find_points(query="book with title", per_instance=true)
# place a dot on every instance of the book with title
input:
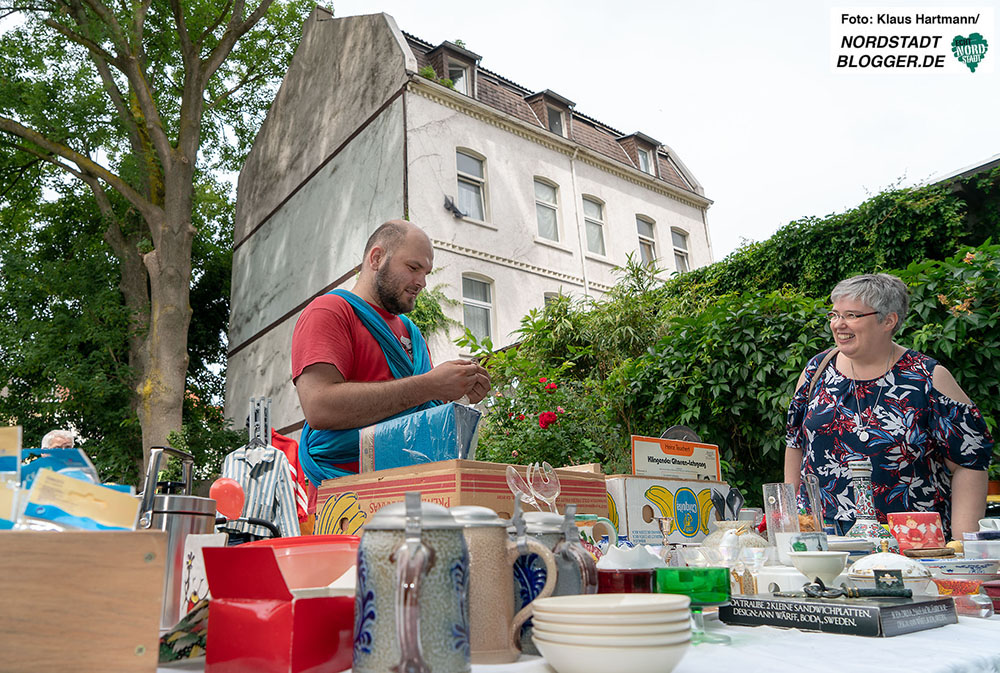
(874, 617)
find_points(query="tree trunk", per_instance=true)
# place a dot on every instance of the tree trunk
(161, 385)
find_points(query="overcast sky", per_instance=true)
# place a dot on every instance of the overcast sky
(742, 91)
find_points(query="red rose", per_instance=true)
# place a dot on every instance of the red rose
(551, 387)
(520, 417)
(542, 380)
(547, 418)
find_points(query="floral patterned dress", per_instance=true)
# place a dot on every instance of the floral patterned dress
(909, 430)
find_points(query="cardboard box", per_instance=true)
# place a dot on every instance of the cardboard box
(81, 600)
(636, 502)
(256, 625)
(344, 504)
(675, 459)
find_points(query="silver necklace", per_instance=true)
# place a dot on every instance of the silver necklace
(862, 431)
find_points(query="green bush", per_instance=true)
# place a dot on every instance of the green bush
(728, 373)
(889, 230)
(536, 414)
(955, 318)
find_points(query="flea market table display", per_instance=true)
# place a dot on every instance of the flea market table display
(680, 578)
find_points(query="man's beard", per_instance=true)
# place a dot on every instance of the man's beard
(390, 291)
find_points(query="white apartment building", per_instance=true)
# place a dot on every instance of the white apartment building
(522, 196)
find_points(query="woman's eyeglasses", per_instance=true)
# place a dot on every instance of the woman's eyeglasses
(849, 316)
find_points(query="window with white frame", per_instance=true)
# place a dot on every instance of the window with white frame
(593, 219)
(547, 209)
(556, 121)
(645, 165)
(477, 305)
(680, 241)
(459, 78)
(647, 239)
(471, 185)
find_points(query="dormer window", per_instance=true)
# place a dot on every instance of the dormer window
(645, 163)
(556, 121)
(459, 77)
(554, 112)
(642, 150)
(456, 64)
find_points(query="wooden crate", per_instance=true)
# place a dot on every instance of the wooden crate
(81, 601)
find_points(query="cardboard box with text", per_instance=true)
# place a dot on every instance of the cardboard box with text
(344, 504)
(636, 502)
(675, 459)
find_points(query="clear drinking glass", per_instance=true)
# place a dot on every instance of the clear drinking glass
(705, 587)
(782, 512)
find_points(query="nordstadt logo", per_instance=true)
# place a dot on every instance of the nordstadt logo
(948, 40)
(970, 50)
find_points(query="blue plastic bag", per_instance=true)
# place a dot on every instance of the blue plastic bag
(445, 432)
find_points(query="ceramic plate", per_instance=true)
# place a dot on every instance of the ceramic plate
(587, 658)
(617, 618)
(649, 640)
(612, 628)
(612, 603)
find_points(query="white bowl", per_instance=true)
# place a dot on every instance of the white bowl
(630, 618)
(654, 640)
(608, 604)
(966, 568)
(566, 658)
(613, 628)
(826, 565)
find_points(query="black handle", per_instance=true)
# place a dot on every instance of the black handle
(255, 521)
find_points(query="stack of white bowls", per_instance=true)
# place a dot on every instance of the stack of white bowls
(613, 632)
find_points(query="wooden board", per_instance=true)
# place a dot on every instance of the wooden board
(81, 601)
(929, 552)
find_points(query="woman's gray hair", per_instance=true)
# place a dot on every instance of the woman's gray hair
(882, 291)
(57, 434)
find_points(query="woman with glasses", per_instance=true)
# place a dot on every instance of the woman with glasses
(876, 399)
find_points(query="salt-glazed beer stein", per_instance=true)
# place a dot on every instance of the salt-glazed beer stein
(495, 629)
(576, 572)
(411, 605)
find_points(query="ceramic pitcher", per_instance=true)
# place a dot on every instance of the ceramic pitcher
(575, 569)
(412, 597)
(592, 528)
(494, 627)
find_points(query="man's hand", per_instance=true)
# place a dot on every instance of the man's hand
(455, 379)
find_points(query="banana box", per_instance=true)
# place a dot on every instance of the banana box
(637, 504)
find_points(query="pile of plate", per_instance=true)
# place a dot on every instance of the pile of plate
(614, 632)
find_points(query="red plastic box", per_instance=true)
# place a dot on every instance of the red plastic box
(256, 625)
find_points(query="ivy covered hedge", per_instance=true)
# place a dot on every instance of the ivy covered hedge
(719, 349)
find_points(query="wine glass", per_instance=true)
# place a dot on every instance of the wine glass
(705, 586)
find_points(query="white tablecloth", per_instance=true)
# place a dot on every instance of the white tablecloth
(971, 646)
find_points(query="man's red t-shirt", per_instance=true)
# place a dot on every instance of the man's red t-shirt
(329, 331)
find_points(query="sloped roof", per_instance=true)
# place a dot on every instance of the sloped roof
(511, 98)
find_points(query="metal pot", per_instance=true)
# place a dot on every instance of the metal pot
(179, 516)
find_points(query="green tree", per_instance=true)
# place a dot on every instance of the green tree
(140, 102)
(64, 327)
